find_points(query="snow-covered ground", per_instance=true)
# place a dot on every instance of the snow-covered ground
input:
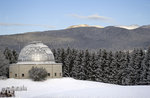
(71, 88)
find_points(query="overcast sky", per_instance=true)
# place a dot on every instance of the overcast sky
(18, 16)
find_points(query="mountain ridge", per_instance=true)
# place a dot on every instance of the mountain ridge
(110, 37)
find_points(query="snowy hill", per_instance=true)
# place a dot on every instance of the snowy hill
(71, 88)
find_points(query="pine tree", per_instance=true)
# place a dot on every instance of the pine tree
(86, 64)
(108, 67)
(78, 68)
(146, 68)
(72, 61)
(92, 67)
(111, 68)
(15, 56)
(69, 61)
(98, 71)
(8, 55)
(133, 66)
(138, 66)
(104, 63)
(62, 57)
(58, 55)
(122, 66)
(4, 65)
(126, 70)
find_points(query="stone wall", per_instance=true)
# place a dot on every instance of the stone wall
(20, 71)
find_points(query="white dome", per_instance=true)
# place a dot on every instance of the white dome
(36, 52)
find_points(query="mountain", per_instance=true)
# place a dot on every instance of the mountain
(87, 37)
(146, 26)
(130, 27)
(84, 25)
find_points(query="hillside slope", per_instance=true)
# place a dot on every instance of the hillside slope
(110, 37)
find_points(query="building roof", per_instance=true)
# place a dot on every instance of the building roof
(36, 52)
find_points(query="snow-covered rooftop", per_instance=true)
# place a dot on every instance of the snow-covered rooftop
(36, 52)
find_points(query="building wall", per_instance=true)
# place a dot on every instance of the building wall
(17, 71)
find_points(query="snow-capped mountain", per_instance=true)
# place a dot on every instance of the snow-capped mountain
(84, 25)
(84, 37)
(130, 27)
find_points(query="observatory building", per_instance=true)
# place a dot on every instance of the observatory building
(35, 54)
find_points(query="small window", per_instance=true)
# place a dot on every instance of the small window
(48, 74)
(22, 75)
(15, 75)
(55, 74)
(60, 74)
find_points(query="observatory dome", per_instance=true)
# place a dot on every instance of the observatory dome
(36, 52)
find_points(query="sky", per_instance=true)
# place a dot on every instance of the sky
(19, 16)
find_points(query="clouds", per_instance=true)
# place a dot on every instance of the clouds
(95, 17)
(21, 24)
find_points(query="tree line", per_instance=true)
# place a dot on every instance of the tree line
(123, 68)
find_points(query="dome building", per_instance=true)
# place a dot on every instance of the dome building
(35, 54)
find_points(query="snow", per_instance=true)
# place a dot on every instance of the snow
(130, 27)
(84, 25)
(71, 88)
